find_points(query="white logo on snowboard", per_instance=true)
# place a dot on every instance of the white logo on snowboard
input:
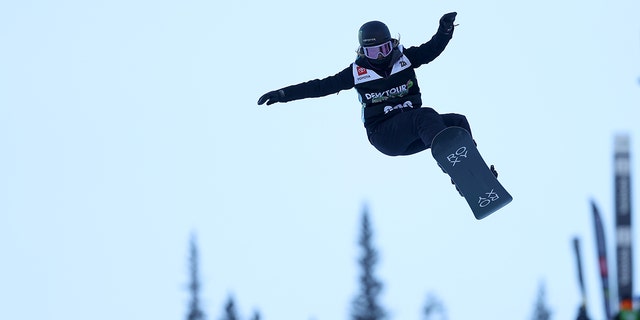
(457, 157)
(491, 196)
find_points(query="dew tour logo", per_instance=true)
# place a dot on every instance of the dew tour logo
(396, 92)
(361, 71)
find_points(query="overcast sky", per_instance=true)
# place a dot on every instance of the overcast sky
(127, 125)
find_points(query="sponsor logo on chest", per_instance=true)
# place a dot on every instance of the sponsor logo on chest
(396, 92)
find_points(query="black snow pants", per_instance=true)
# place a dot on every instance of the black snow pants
(412, 131)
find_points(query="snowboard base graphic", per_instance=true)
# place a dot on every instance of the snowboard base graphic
(456, 153)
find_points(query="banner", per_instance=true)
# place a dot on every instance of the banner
(601, 246)
(623, 222)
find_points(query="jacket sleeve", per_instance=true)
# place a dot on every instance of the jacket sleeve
(429, 50)
(343, 80)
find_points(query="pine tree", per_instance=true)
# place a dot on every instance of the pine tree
(195, 313)
(366, 306)
(434, 309)
(230, 312)
(541, 311)
(256, 315)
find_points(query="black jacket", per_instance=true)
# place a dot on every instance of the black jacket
(382, 93)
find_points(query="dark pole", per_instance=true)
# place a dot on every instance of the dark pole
(582, 311)
(601, 246)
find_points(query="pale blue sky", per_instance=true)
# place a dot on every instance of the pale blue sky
(126, 125)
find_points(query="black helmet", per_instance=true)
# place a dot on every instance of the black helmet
(373, 33)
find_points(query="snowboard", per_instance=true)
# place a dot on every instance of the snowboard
(456, 153)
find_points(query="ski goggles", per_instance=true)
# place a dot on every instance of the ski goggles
(374, 51)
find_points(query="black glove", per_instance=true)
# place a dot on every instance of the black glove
(446, 22)
(272, 97)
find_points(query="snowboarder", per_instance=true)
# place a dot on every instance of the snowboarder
(383, 74)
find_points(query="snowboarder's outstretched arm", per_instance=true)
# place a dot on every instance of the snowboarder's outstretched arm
(272, 97)
(431, 49)
(343, 80)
